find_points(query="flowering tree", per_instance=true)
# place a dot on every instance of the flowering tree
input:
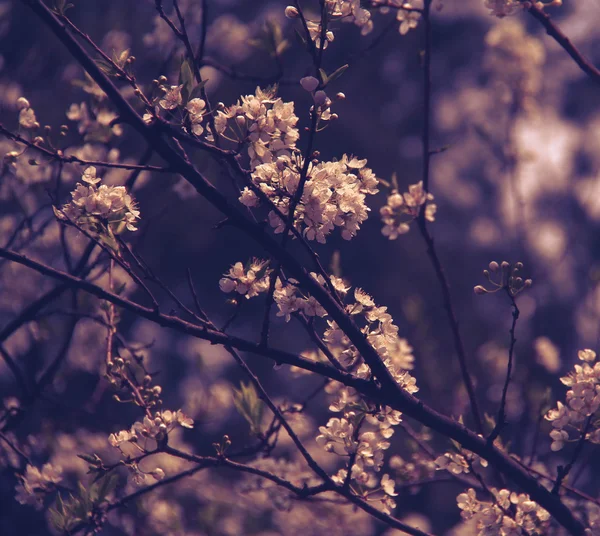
(187, 344)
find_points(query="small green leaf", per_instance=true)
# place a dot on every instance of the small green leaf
(105, 486)
(61, 6)
(197, 91)
(336, 74)
(324, 78)
(57, 520)
(249, 406)
(186, 79)
(105, 67)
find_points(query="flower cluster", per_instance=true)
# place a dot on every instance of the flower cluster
(502, 8)
(350, 11)
(96, 124)
(401, 209)
(408, 18)
(98, 208)
(249, 280)
(182, 98)
(459, 462)
(290, 299)
(152, 428)
(419, 467)
(34, 484)
(333, 196)
(509, 514)
(364, 429)
(407, 13)
(347, 437)
(264, 121)
(582, 402)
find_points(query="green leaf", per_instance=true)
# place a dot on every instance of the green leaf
(249, 406)
(61, 6)
(105, 486)
(197, 91)
(121, 59)
(324, 78)
(186, 79)
(105, 67)
(57, 520)
(336, 74)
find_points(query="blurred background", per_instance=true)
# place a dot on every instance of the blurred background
(517, 180)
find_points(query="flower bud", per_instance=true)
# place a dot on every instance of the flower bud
(320, 98)
(281, 163)
(158, 473)
(479, 290)
(22, 103)
(291, 12)
(240, 120)
(309, 83)
(340, 96)
(494, 266)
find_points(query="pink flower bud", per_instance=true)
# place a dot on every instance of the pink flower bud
(309, 83)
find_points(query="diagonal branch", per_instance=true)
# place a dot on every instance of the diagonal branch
(553, 31)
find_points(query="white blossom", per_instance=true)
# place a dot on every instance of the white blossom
(582, 402)
(172, 98)
(94, 206)
(502, 8)
(249, 281)
(401, 209)
(35, 483)
(264, 122)
(197, 110)
(334, 195)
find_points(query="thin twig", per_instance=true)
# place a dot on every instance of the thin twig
(501, 418)
(553, 31)
(422, 224)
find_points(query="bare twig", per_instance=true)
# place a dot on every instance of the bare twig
(501, 418)
(553, 31)
(422, 224)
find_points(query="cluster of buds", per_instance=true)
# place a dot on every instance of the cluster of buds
(322, 101)
(504, 277)
(132, 382)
